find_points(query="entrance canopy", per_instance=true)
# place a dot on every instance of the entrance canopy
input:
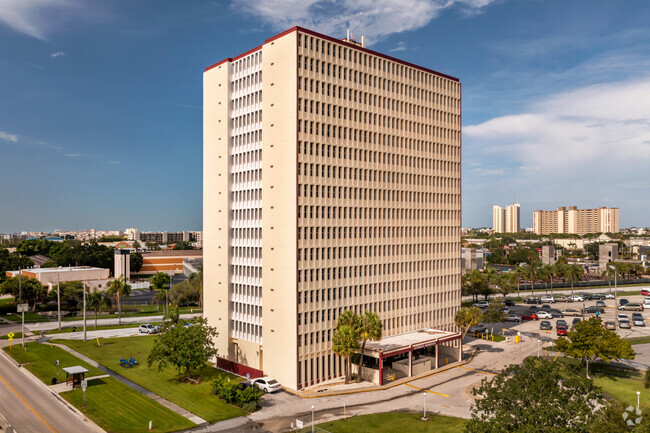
(397, 344)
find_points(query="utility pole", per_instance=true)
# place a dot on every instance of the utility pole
(85, 313)
(58, 297)
(20, 295)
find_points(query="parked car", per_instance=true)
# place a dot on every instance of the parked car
(645, 292)
(575, 321)
(597, 296)
(546, 307)
(246, 384)
(600, 304)
(544, 315)
(534, 309)
(593, 309)
(624, 323)
(576, 298)
(529, 315)
(609, 296)
(585, 296)
(545, 325)
(505, 309)
(621, 316)
(147, 328)
(547, 299)
(571, 312)
(560, 329)
(482, 304)
(267, 384)
(637, 319)
(622, 302)
(646, 302)
(561, 322)
(509, 302)
(532, 300)
(561, 299)
(631, 306)
(478, 329)
(556, 313)
(611, 325)
(512, 318)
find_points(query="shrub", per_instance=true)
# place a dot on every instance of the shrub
(251, 406)
(232, 393)
(646, 381)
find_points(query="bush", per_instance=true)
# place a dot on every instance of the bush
(646, 381)
(232, 393)
(251, 406)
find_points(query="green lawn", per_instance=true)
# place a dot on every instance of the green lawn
(4, 301)
(639, 340)
(395, 422)
(115, 407)
(30, 317)
(624, 388)
(40, 359)
(91, 327)
(197, 399)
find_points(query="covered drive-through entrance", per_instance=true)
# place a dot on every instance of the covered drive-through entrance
(411, 354)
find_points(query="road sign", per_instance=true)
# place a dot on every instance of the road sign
(22, 308)
(299, 424)
(84, 385)
(10, 336)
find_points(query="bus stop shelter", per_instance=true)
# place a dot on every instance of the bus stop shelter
(74, 375)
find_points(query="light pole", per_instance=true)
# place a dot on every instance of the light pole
(20, 294)
(84, 313)
(58, 297)
(312, 418)
(615, 287)
(424, 405)
(638, 399)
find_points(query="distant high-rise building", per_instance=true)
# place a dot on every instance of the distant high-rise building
(506, 220)
(331, 182)
(576, 221)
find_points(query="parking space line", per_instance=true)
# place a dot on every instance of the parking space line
(478, 371)
(425, 390)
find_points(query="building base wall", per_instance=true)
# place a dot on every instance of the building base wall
(239, 369)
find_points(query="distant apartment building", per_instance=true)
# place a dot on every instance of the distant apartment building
(162, 237)
(506, 220)
(576, 221)
(331, 183)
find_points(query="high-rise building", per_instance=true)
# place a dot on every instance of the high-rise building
(576, 221)
(506, 220)
(498, 219)
(331, 183)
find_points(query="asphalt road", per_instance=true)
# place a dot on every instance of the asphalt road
(31, 408)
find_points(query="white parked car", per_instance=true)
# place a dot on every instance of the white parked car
(482, 304)
(147, 328)
(609, 296)
(541, 314)
(267, 384)
(646, 302)
(576, 298)
(548, 299)
(513, 318)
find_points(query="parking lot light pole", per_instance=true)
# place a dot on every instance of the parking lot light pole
(312, 418)
(424, 405)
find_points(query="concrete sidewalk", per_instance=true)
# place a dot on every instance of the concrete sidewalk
(168, 404)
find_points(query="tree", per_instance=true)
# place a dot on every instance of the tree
(32, 247)
(572, 273)
(119, 288)
(612, 418)
(136, 245)
(589, 340)
(24, 289)
(185, 348)
(159, 281)
(369, 330)
(72, 293)
(136, 262)
(467, 317)
(345, 342)
(12, 262)
(183, 245)
(494, 313)
(185, 292)
(537, 395)
(153, 246)
(96, 301)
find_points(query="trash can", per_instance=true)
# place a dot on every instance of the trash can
(54, 381)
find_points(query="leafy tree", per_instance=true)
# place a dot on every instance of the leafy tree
(159, 281)
(95, 301)
(111, 238)
(186, 292)
(119, 289)
(646, 379)
(136, 262)
(345, 342)
(32, 247)
(589, 340)
(572, 273)
(369, 330)
(611, 418)
(183, 245)
(493, 313)
(535, 396)
(476, 283)
(77, 253)
(185, 348)
(27, 289)
(12, 262)
(72, 293)
(467, 317)
(153, 246)
(136, 245)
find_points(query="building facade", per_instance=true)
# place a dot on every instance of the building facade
(331, 183)
(506, 220)
(576, 221)
(498, 219)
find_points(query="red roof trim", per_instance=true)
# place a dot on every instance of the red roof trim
(337, 41)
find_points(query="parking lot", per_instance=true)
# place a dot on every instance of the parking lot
(531, 328)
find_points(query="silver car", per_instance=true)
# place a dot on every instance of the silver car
(147, 328)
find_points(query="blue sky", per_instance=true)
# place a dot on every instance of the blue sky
(100, 102)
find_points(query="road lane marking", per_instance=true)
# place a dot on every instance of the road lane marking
(478, 371)
(425, 390)
(29, 406)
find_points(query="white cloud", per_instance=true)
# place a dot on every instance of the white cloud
(73, 155)
(57, 54)
(37, 17)
(375, 19)
(8, 137)
(401, 46)
(113, 162)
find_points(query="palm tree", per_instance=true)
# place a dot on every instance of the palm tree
(369, 330)
(159, 297)
(96, 301)
(573, 273)
(345, 342)
(607, 273)
(467, 317)
(120, 289)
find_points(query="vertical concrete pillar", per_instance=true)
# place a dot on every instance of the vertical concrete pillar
(437, 355)
(411, 363)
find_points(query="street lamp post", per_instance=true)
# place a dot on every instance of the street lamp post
(84, 314)
(312, 418)
(424, 405)
(58, 298)
(20, 294)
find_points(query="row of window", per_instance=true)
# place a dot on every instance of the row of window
(378, 270)
(246, 82)
(247, 100)
(403, 158)
(247, 119)
(312, 44)
(383, 251)
(347, 234)
(248, 62)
